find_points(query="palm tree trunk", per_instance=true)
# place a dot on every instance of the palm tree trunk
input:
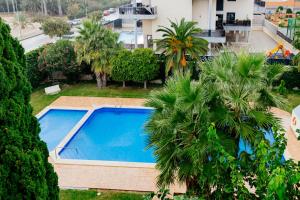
(104, 80)
(98, 79)
(7, 6)
(59, 8)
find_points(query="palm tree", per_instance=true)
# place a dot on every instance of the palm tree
(234, 93)
(179, 42)
(96, 46)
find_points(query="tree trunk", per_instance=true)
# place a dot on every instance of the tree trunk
(45, 7)
(145, 84)
(59, 8)
(124, 85)
(98, 79)
(7, 6)
(104, 79)
(13, 5)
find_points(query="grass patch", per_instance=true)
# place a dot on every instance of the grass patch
(39, 100)
(293, 98)
(92, 195)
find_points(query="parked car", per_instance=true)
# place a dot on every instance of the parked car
(106, 13)
(74, 22)
(112, 10)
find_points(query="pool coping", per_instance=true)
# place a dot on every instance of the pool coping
(54, 154)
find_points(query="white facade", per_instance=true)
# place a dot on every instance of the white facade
(205, 12)
(243, 9)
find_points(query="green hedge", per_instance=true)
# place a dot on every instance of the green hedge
(60, 56)
(121, 66)
(34, 75)
(141, 65)
(291, 78)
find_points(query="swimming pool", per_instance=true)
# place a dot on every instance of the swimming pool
(111, 134)
(57, 123)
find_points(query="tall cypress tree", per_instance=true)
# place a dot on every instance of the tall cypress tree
(24, 169)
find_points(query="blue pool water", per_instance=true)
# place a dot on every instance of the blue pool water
(56, 124)
(111, 134)
(244, 146)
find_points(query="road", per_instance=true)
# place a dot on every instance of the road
(36, 42)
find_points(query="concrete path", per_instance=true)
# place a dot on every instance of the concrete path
(36, 42)
(260, 42)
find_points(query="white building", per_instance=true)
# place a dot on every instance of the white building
(220, 20)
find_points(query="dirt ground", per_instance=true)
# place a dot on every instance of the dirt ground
(31, 29)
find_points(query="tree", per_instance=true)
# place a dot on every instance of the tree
(34, 74)
(96, 45)
(60, 12)
(121, 66)
(289, 11)
(24, 171)
(56, 27)
(185, 110)
(144, 66)
(60, 56)
(279, 9)
(178, 42)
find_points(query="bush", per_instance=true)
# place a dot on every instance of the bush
(288, 11)
(24, 170)
(60, 56)
(144, 66)
(34, 75)
(291, 78)
(121, 66)
(141, 65)
(56, 27)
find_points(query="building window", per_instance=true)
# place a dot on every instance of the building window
(230, 18)
(149, 41)
(220, 5)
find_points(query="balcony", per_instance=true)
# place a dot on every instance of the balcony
(139, 12)
(216, 36)
(237, 25)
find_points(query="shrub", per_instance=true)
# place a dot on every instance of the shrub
(56, 27)
(121, 66)
(24, 170)
(289, 11)
(282, 88)
(141, 65)
(34, 75)
(60, 56)
(279, 9)
(144, 66)
(291, 78)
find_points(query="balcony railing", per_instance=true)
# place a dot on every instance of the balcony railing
(237, 23)
(139, 10)
(213, 36)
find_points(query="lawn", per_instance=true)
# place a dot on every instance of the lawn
(294, 100)
(39, 100)
(94, 195)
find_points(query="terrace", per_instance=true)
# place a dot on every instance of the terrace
(138, 11)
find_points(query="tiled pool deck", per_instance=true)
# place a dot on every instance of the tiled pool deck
(133, 177)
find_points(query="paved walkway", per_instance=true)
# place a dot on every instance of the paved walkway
(293, 145)
(260, 42)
